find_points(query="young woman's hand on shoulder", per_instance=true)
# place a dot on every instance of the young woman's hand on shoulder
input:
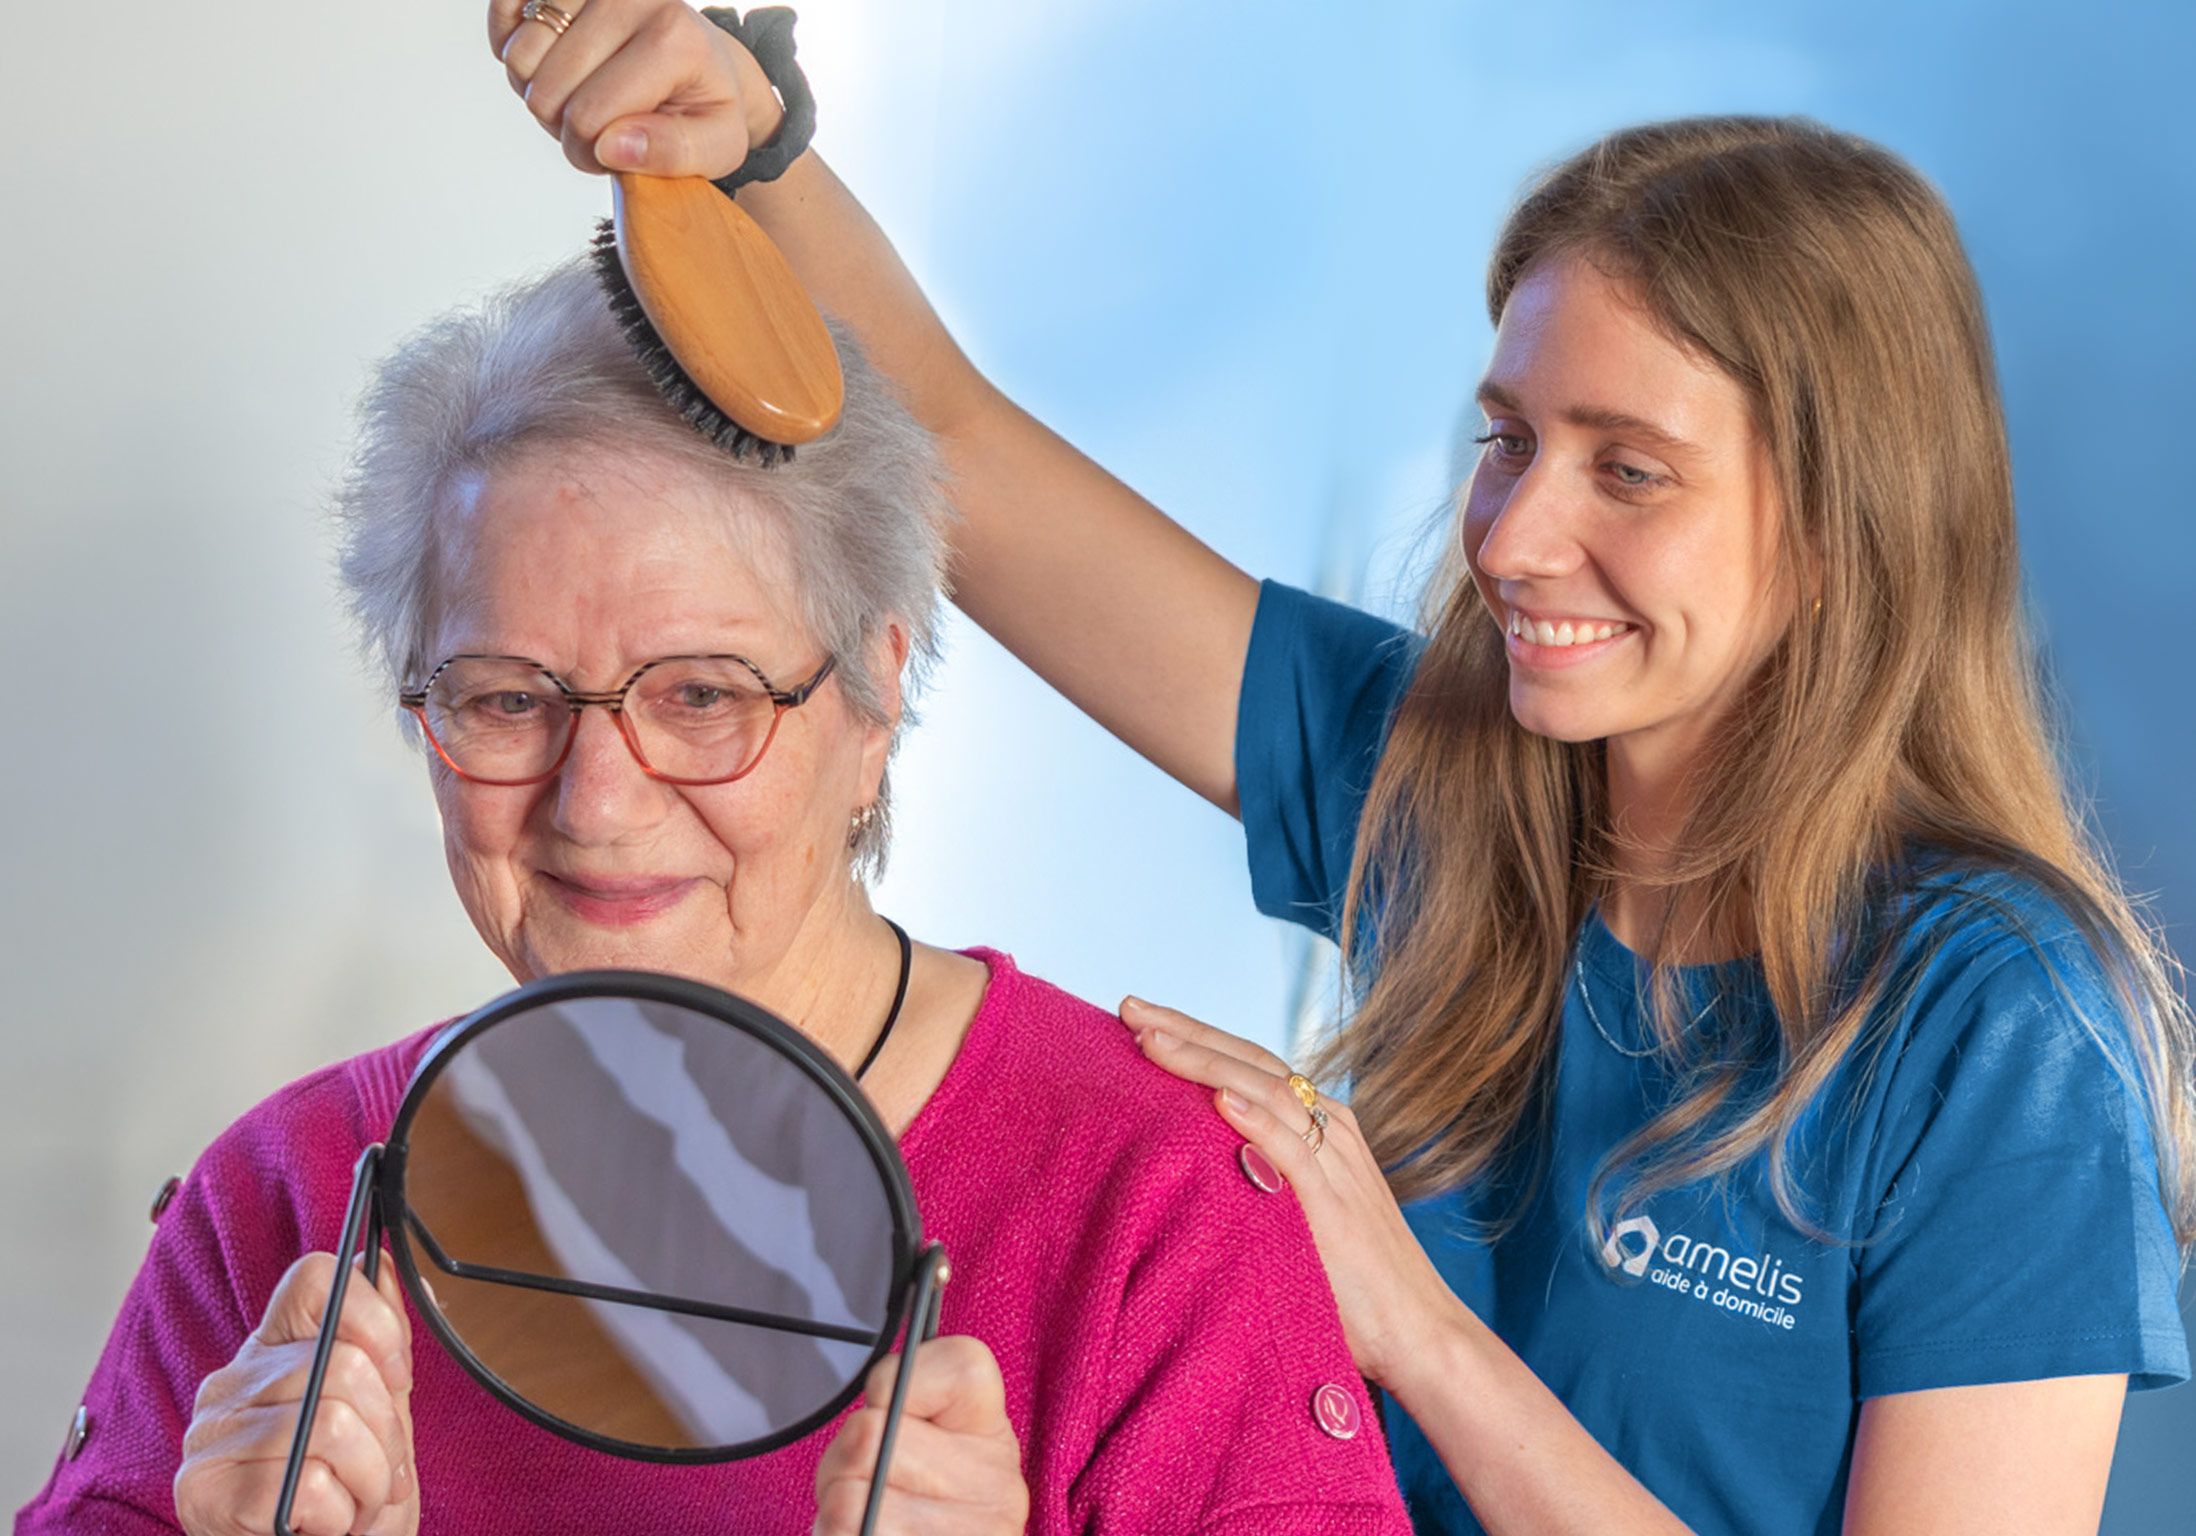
(1394, 1303)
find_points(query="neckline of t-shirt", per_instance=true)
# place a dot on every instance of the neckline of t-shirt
(1621, 980)
(1613, 961)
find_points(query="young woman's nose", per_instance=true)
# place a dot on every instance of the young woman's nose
(1533, 533)
(602, 793)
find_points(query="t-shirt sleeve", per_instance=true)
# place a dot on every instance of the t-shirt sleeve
(1320, 684)
(1226, 1349)
(2020, 1233)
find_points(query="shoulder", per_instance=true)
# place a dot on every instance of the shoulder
(1309, 653)
(1078, 1066)
(1322, 684)
(1203, 1307)
(1065, 1085)
(1994, 954)
(2014, 1036)
(343, 1105)
(264, 1187)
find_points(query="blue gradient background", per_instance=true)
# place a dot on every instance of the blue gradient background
(1233, 250)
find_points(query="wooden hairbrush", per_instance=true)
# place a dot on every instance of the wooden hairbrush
(724, 328)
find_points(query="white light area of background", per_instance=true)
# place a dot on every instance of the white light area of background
(1233, 250)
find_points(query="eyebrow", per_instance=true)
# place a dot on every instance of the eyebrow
(1598, 418)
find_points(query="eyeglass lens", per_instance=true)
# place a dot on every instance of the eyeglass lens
(697, 718)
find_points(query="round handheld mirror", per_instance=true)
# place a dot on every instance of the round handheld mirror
(647, 1215)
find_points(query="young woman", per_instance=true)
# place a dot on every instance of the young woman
(1795, 1121)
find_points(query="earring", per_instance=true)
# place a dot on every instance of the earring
(861, 821)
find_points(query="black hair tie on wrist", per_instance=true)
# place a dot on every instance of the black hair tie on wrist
(768, 35)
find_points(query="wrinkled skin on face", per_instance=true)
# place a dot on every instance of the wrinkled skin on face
(593, 566)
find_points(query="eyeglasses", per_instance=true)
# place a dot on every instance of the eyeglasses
(687, 719)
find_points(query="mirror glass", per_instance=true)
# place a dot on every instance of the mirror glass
(646, 1222)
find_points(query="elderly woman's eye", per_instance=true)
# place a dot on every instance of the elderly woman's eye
(501, 705)
(689, 694)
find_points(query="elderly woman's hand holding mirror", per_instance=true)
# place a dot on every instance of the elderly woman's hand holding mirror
(247, 1415)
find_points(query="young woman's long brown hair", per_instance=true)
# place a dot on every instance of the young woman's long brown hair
(1826, 278)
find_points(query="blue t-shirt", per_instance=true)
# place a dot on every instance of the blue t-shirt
(1987, 1170)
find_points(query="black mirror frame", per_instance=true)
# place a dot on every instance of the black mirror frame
(377, 1208)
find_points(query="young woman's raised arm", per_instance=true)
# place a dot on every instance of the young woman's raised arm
(1112, 602)
(1142, 626)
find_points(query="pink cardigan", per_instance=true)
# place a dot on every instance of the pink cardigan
(1173, 1358)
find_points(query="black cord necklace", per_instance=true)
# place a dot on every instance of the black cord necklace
(899, 996)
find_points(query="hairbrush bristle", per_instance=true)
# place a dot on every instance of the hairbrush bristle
(678, 389)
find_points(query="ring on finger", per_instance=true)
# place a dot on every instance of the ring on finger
(1306, 1091)
(1316, 1136)
(548, 15)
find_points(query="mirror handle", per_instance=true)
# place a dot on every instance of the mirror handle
(361, 1218)
(931, 1274)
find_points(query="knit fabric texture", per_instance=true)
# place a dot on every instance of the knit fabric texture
(1163, 1326)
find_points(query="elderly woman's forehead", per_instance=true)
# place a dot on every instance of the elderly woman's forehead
(618, 535)
(614, 500)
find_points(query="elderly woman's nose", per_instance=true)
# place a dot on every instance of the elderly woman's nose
(601, 791)
(1535, 532)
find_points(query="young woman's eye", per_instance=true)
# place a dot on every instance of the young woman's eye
(1507, 445)
(1632, 477)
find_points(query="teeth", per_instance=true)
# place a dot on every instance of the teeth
(1541, 632)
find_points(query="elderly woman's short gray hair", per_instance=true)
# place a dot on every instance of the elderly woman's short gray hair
(861, 512)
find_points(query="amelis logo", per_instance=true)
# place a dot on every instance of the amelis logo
(1617, 1254)
(1759, 1288)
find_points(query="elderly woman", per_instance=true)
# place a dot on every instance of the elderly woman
(1138, 1337)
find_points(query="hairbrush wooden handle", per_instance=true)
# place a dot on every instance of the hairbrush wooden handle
(723, 300)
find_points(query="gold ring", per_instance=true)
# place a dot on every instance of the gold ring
(1306, 1093)
(1316, 1137)
(548, 15)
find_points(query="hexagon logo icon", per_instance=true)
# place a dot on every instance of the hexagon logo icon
(1615, 1253)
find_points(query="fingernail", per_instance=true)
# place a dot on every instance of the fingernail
(1136, 1003)
(1155, 1039)
(1259, 1169)
(628, 146)
(1234, 1101)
